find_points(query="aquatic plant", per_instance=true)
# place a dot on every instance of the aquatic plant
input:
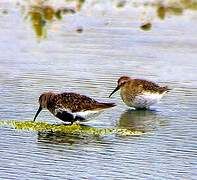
(74, 129)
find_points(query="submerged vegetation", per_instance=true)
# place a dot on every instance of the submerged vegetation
(74, 129)
(42, 13)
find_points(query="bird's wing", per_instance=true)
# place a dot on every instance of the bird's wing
(62, 113)
(145, 85)
(76, 102)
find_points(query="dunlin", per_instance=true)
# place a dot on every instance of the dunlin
(70, 107)
(139, 93)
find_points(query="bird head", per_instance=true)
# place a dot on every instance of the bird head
(43, 102)
(121, 82)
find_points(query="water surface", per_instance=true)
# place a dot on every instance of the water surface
(90, 63)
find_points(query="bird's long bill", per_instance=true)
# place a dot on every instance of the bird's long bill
(117, 88)
(39, 109)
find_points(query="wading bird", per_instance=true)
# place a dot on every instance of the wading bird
(71, 107)
(139, 93)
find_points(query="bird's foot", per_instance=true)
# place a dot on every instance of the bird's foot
(75, 122)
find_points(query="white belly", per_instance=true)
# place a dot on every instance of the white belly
(88, 114)
(146, 100)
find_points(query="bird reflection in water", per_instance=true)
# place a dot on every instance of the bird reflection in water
(59, 137)
(139, 120)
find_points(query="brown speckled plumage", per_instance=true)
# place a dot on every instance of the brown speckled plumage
(133, 88)
(65, 106)
(140, 85)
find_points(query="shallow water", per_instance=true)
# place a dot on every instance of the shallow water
(90, 63)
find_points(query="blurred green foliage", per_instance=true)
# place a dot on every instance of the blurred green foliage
(43, 12)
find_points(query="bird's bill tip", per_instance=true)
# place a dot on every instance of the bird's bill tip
(39, 109)
(116, 89)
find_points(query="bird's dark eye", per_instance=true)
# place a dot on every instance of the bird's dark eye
(123, 82)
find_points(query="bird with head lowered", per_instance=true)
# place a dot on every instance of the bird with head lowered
(71, 107)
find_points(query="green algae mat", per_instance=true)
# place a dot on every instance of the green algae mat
(74, 129)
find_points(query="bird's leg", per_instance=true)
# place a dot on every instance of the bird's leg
(141, 108)
(76, 123)
(79, 118)
(76, 120)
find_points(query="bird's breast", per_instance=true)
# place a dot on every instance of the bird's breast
(127, 96)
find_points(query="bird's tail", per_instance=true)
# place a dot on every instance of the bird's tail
(167, 89)
(164, 89)
(105, 105)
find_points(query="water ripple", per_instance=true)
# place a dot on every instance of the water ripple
(91, 64)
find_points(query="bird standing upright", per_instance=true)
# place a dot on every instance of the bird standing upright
(70, 107)
(139, 93)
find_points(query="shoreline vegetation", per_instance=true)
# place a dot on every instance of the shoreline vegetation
(42, 13)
